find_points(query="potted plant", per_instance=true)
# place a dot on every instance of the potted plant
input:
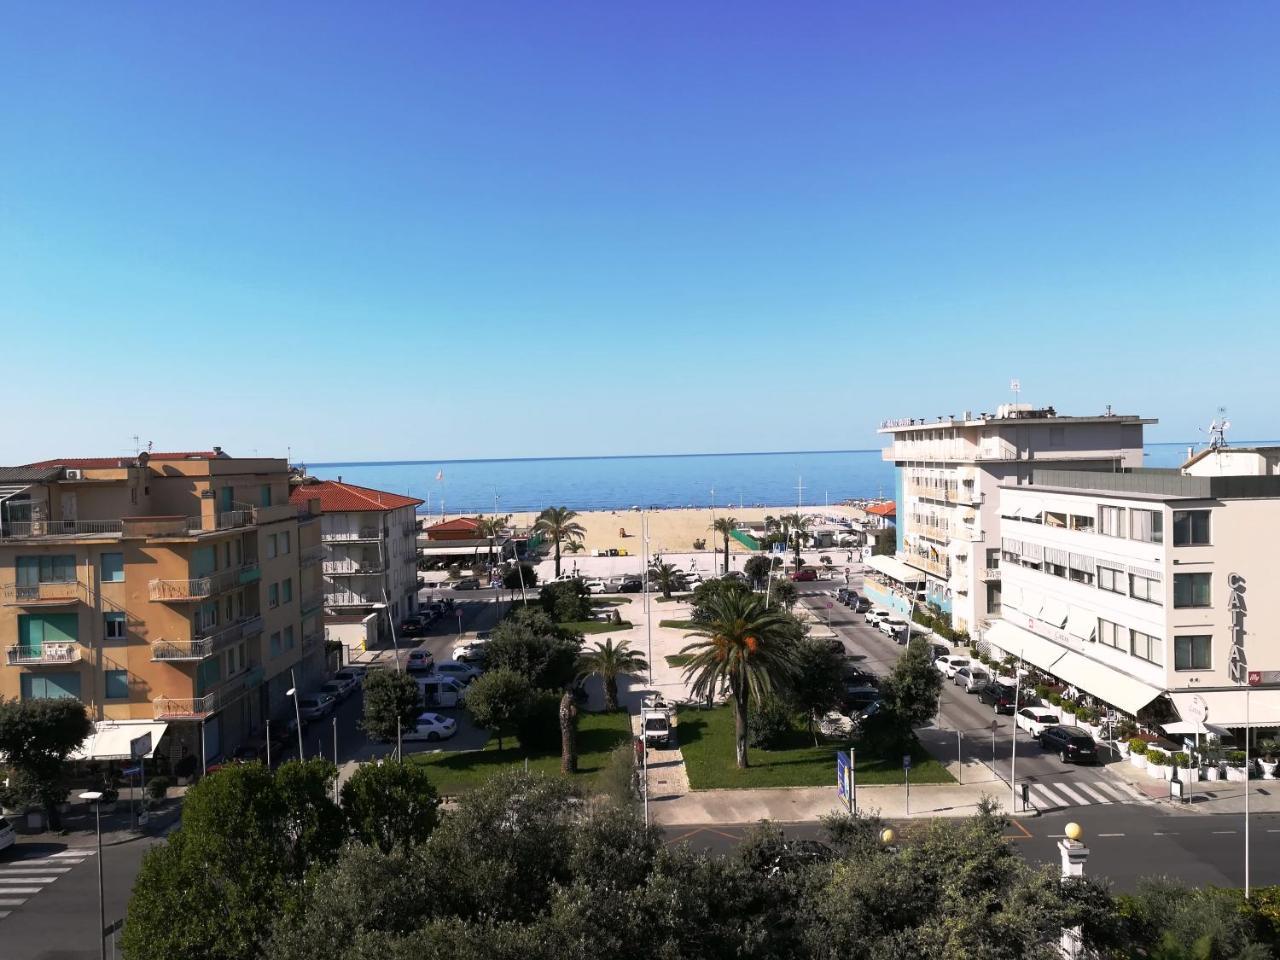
(1267, 762)
(1235, 768)
(1138, 753)
(1210, 762)
(1182, 763)
(1068, 712)
(1158, 764)
(110, 795)
(158, 788)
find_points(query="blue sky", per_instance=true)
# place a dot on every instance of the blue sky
(444, 230)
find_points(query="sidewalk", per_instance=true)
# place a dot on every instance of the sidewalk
(1207, 796)
(80, 830)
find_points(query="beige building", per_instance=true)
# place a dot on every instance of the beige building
(1149, 588)
(949, 473)
(173, 593)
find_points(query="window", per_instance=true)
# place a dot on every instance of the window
(275, 644)
(284, 543)
(288, 637)
(111, 566)
(271, 547)
(117, 684)
(50, 686)
(273, 596)
(993, 600)
(60, 568)
(1146, 525)
(286, 590)
(35, 631)
(266, 494)
(1193, 653)
(113, 626)
(1191, 589)
(1082, 523)
(1055, 519)
(1111, 521)
(1081, 576)
(1057, 569)
(1109, 579)
(1111, 634)
(1191, 528)
(1144, 588)
(1146, 647)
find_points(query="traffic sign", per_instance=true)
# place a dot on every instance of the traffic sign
(906, 761)
(140, 746)
(130, 771)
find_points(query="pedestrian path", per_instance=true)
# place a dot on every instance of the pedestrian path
(1075, 793)
(23, 878)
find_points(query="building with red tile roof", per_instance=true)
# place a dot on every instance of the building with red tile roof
(887, 509)
(338, 497)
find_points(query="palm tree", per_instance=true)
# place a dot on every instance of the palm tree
(568, 733)
(609, 662)
(745, 644)
(725, 527)
(797, 526)
(491, 528)
(558, 524)
(666, 577)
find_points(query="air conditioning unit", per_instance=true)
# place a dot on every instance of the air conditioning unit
(74, 474)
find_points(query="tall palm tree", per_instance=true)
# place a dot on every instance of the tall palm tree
(558, 524)
(568, 733)
(725, 527)
(797, 527)
(745, 644)
(491, 528)
(608, 662)
(666, 577)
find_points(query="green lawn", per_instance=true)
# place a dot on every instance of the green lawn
(677, 659)
(458, 772)
(610, 601)
(595, 626)
(679, 599)
(706, 740)
(678, 624)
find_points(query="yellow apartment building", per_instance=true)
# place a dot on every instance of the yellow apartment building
(176, 594)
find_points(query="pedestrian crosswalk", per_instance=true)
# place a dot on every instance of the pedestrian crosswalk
(23, 878)
(1074, 793)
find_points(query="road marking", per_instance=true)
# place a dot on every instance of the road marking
(1171, 833)
(1224, 831)
(8, 870)
(4, 913)
(1078, 798)
(1026, 834)
(23, 889)
(1095, 794)
(43, 879)
(1273, 831)
(74, 853)
(12, 902)
(1052, 798)
(1111, 791)
(1111, 834)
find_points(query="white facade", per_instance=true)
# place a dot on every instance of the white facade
(371, 557)
(1135, 585)
(950, 471)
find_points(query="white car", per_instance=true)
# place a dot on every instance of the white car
(971, 678)
(595, 586)
(949, 665)
(7, 837)
(339, 689)
(313, 706)
(875, 615)
(893, 627)
(469, 652)
(1035, 719)
(432, 727)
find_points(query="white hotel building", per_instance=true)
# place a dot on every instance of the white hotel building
(949, 474)
(1146, 588)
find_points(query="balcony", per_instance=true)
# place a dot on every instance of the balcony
(207, 644)
(937, 567)
(185, 708)
(202, 588)
(348, 598)
(932, 531)
(364, 533)
(991, 573)
(352, 568)
(45, 594)
(43, 529)
(49, 653)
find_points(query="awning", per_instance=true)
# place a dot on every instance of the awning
(1032, 603)
(1091, 676)
(895, 569)
(111, 738)
(1054, 612)
(1227, 707)
(1081, 624)
(1185, 728)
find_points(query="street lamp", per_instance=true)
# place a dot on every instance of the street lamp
(297, 712)
(95, 797)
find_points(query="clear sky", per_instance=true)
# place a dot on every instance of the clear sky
(440, 230)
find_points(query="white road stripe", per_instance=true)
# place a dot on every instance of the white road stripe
(1111, 834)
(12, 901)
(1052, 798)
(49, 868)
(4, 913)
(12, 890)
(10, 880)
(74, 853)
(1075, 797)
(1095, 794)
(1112, 791)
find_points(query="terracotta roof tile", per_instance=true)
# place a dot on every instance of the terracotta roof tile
(336, 497)
(460, 525)
(886, 509)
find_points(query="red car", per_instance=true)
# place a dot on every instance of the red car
(808, 573)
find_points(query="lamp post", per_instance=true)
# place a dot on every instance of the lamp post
(297, 711)
(95, 797)
(1074, 854)
(1013, 736)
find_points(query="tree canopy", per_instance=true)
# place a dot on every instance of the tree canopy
(566, 601)
(910, 692)
(36, 737)
(389, 695)
(499, 699)
(390, 804)
(529, 642)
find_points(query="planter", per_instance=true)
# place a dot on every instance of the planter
(35, 820)
(1123, 747)
(1138, 760)
(1068, 719)
(1159, 771)
(1212, 772)
(1189, 774)
(1236, 773)
(109, 807)
(1269, 768)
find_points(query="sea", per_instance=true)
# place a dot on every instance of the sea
(807, 478)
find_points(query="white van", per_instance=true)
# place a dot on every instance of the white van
(7, 837)
(438, 691)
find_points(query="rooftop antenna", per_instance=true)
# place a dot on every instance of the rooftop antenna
(137, 445)
(1016, 386)
(1218, 428)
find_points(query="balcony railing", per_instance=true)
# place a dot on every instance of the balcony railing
(35, 529)
(202, 588)
(44, 594)
(346, 598)
(936, 567)
(932, 531)
(352, 568)
(991, 573)
(47, 653)
(185, 708)
(206, 645)
(364, 533)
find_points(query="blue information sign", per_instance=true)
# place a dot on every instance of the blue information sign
(906, 761)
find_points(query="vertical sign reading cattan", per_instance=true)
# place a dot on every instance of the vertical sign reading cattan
(1237, 663)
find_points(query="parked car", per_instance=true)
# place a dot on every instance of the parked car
(842, 595)
(412, 627)
(455, 668)
(1071, 744)
(875, 615)
(631, 585)
(895, 627)
(420, 661)
(1035, 719)
(7, 836)
(467, 583)
(1000, 695)
(337, 689)
(971, 678)
(595, 586)
(691, 579)
(314, 706)
(431, 727)
(950, 664)
(438, 691)
(861, 605)
(352, 671)
(470, 653)
(804, 575)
